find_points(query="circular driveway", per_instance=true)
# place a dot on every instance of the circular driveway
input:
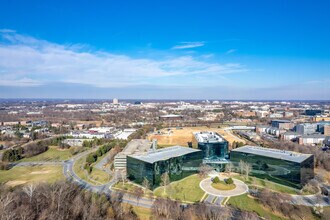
(240, 189)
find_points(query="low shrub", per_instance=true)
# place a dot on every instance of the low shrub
(216, 180)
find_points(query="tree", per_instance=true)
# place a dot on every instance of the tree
(165, 180)
(29, 190)
(247, 170)
(241, 166)
(123, 176)
(138, 193)
(204, 170)
(146, 184)
(229, 168)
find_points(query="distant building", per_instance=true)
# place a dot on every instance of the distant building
(306, 128)
(313, 139)
(115, 101)
(171, 117)
(327, 130)
(179, 162)
(290, 136)
(282, 124)
(288, 114)
(260, 129)
(284, 167)
(319, 118)
(313, 112)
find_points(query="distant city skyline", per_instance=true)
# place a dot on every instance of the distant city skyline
(274, 50)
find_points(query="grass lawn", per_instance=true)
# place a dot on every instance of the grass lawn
(186, 189)
(52, 154)
(37, 174)
(267, 184)
(96, 177)
(243, 202)
(223, 186)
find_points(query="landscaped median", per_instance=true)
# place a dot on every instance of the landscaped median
(227, 184)
(95, 177)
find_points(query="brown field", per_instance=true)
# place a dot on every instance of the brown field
(184, 135)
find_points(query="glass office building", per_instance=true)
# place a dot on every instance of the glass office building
(284, 167)
(177, 161)
(214, 148)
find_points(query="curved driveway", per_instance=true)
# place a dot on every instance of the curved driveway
(240, 189)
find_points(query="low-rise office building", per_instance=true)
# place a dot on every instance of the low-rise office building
(177, 161)
(284, 167)
(134, 147)
(214, 148)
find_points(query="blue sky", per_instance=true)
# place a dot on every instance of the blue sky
(165, 49)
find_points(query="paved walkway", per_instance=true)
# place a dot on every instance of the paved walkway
(240, 189)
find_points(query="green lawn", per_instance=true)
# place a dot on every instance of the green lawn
(267, 184)
(37, 174)
(186, 189)
(243, 202)
(52, 154)
(223, 186)
(96, 177)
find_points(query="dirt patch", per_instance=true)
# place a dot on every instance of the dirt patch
(41, 172)
(15, 183)
(176, 136)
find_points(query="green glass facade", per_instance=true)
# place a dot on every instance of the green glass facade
(214, 150)
(293, 174)
(177, 167)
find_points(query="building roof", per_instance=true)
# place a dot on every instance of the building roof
(136, 146)
(274, 153)
(170, 116)
(291, 133)
(164, 154)
(281, 121)
(316, 135)
(208, 137)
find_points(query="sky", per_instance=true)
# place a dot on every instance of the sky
(274, 49)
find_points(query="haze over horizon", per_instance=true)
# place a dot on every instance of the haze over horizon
(217, 50)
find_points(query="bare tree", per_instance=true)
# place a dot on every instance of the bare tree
(229, 168)
(165, 181)
(241, 166)
(204, 170)
(247, 170)
(146, 185)
(123, 176)
(139, 193)
(29, 190)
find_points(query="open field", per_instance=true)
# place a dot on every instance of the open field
(37, 174)
(185, 135)
(52, 154)
(186, 189)
(254, 181)
(96, 177)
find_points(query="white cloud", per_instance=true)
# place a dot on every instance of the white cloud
(27, 61)
(231, 51)
(189, 45)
